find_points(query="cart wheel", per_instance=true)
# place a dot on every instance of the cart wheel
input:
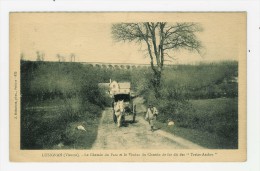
(114, 117)
(123, 119)
(134, 113)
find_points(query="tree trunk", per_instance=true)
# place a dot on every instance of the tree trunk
(156, 82)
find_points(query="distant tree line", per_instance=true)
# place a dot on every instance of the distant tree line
(40, 56)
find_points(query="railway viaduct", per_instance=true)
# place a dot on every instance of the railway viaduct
(119, 65)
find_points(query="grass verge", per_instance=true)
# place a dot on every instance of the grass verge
(55, 127)
(202, 138)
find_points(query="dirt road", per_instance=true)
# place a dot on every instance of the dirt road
(136, 135)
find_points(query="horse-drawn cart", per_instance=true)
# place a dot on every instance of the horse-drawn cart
(122, 102)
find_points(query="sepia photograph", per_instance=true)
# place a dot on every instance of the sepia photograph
(128, 86)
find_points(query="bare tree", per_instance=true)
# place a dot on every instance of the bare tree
(22, 58)
(59, 57)
(72, 57)
(161, 39)
(63, 58)
(40, 56)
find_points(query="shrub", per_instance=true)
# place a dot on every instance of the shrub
(74, 89)
(201, 97)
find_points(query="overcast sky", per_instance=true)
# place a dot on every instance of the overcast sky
(91, 40)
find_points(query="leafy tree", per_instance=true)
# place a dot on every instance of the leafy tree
(161, 39)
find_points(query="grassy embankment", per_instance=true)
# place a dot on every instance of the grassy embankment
(212, 123)
(56, 98)
(202, 101)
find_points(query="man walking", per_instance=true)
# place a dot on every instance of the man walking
(151, 116)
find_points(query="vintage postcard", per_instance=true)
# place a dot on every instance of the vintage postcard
(131, 86)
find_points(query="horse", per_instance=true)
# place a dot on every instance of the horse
(119, 112)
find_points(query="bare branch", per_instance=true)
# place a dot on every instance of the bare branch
(161, 38)
(128, 32)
